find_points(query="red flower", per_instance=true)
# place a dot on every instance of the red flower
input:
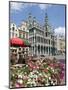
(51, 65)
(30, 65)
(45, 70)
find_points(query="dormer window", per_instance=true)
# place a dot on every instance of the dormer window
(23, 28)
(46, 34)
(13, 25)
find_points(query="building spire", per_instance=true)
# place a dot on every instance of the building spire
(29, 18)
(29, 15)
(46, 19)
(34, 20)
(46, 22)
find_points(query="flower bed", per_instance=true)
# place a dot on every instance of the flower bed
(46, 73)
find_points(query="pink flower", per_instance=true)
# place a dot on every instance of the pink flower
(34, 67)
(51, 65)
(61, 65)
(61, 75)
(25, 77)
(17, 85)
(37, 67)
(30, 64)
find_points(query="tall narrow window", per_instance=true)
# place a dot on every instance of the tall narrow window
(13, 28)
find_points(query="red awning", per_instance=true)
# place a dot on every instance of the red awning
(16, 42)
(19, 42)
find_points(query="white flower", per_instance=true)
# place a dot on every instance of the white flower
(32, 82)
(13, 75)
(51, 82)
(29, 80)
(33, 76)
(20, 81)
(47, 84)
(49, 78)
(25, 73)
(26, 65)
(31, 73)
(40, 74)
(54, 84)
(47, 68)
(19, 76)
(46, 76)
(35, 71)
(53, 70)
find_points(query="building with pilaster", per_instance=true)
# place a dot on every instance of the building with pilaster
(42, 38)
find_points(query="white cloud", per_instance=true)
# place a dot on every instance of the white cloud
(41, 6)
(19, 6)
(16, 6)
(60, 30)
(44, 6)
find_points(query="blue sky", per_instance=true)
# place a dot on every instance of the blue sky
(56, 14)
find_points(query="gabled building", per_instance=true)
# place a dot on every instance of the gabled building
(14, 32)
(24, 34)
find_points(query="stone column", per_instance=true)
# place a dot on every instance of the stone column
(40, 49)
(37, 50)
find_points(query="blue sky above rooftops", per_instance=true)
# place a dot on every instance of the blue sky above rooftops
(56, 14)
